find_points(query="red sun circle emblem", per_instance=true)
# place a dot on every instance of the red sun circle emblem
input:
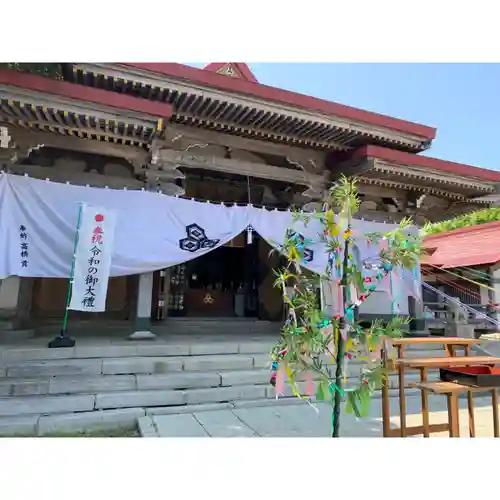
(99, 218)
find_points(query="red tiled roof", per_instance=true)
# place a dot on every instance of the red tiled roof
(468, 246)
(402, 158)
(286, 97)
(38, 83)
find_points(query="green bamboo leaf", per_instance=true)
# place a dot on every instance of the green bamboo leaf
(364, 402)
(352, 404)
(326, 390)
(320, 392)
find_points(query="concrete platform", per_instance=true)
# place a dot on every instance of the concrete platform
(302, 420)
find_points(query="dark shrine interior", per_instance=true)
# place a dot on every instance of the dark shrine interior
(222, 269)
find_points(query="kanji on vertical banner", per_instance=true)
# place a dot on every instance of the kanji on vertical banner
(93, 259)
(24, 244)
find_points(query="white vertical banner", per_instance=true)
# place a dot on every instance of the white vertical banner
(92, 262)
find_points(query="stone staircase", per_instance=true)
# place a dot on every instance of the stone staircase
(197, 327)
(56, 391)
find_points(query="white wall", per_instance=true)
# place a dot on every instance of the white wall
(379, 302)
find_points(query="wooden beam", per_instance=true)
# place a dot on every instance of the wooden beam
(155, 182)
(76, 178)
(349, 168)
(379, 191)
(185, 160)
(378, 216)
(306, 157)
(27, 138)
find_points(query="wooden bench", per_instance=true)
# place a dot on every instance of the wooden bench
(452, 390)
(451, 344)
(424, 364)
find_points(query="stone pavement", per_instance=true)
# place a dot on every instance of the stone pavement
(301, 420)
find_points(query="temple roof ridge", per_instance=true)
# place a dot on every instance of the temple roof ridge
(232, 69)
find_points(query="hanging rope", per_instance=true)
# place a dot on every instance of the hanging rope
(476, 272)
(482, 285)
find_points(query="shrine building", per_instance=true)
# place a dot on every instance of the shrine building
(463, 263)
(211, 134)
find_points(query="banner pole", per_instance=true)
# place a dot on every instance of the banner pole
(62, 340)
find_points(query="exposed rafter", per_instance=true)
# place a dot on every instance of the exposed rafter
(208, 107)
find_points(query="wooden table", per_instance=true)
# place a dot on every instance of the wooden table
(450, 344)
(452, 390)
(445, 362)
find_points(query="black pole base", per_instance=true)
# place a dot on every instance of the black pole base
(61, 341)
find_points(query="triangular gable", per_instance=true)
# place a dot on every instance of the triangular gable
(234, 70)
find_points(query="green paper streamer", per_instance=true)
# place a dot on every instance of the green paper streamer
(350, 315)
(334, 387)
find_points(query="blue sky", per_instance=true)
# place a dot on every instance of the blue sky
(461, 100)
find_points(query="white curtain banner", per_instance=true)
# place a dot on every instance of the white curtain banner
(92, 259)
(273, 225)
(153, 231)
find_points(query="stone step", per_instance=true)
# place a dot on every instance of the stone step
(222, 328)
(92, 384)
(174, 327)
(126, 418)
(117, 383)
(172, 391)
(135, 365)
(70, 423)
(10, 356)
(70, 384)
(29, 405)
(259, 350)
(131, 365)
(113, 383)
(211, 391)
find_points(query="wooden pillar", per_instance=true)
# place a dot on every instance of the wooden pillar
(15, 307)
(251, 276)
(9, 294)
(143, 311)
